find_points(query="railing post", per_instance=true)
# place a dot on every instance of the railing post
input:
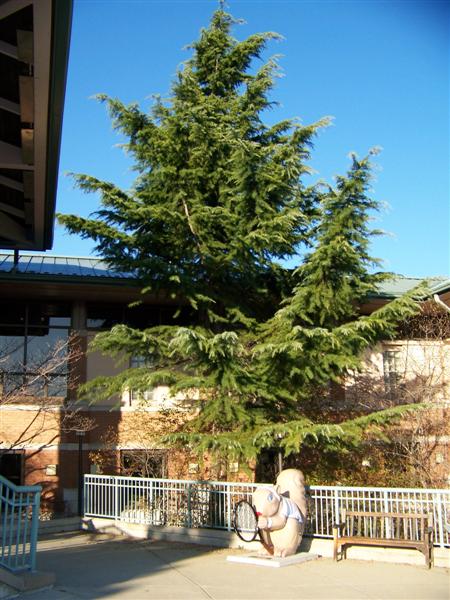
(34, 529)
(439, 522)
(228, 499)
(387, 525)
(11, 527)
(84, 495)
(116, 499)
(5, 494)
(337, 515)
(189, 507)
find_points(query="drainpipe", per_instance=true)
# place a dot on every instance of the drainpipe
(80, 434)
(441, 304)
(16, 260)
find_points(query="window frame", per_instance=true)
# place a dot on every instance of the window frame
(27, 325)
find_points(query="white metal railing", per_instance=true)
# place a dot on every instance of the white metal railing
(327, 502)
(190, 503)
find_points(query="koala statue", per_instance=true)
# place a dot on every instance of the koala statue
(282, 512)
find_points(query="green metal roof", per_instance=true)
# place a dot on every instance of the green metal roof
(60, 268)
(400, 285)
(86, 269)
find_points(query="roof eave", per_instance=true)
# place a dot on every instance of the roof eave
(31, 218)
(61, 28)
(72, 279)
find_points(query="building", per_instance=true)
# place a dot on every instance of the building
(52, 307)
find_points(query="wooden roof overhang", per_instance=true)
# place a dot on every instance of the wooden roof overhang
(34, 47)
(90, 289)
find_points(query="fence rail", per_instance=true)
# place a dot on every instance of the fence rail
(19, 518)
(210, 503)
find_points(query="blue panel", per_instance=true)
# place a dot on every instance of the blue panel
(6, 263)
(34, 265)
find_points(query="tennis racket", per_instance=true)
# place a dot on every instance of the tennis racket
(245, 521)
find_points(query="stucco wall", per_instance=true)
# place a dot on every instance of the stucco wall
(423, 369)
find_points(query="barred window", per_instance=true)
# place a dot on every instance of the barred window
(142, 396)
(391, 373)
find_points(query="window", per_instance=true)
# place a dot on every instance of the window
(141, 396)
(34, 348)
(391, 373)
(105, 316)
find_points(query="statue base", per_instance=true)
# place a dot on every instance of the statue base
(273, 561)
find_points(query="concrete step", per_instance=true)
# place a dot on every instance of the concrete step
(57, 525)
(13, 583)
(6, 591)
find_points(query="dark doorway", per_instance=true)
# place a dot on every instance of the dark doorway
(268, 466)
(11, 467)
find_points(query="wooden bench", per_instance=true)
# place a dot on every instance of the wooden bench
(397, 530)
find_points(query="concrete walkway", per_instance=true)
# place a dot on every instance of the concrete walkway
(91, 566)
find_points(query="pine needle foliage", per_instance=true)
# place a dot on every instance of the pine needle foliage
(218, 195)
(219, 201)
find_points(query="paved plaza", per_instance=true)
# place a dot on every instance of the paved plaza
(89, 566)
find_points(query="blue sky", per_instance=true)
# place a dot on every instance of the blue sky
(381, 69)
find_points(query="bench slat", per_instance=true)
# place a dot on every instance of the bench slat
(349, 513)
(367, 541)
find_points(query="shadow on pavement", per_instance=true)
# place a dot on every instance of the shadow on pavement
(89, 566)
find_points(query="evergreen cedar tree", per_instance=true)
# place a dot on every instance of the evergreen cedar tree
(219, 203)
